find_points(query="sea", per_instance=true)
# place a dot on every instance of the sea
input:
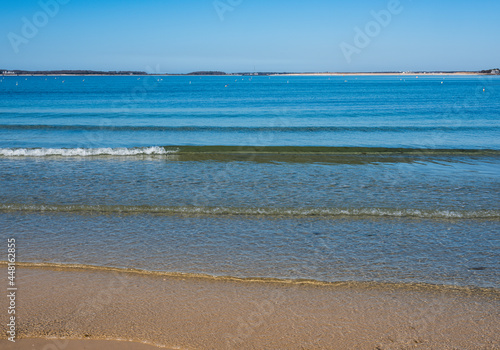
(380, 179)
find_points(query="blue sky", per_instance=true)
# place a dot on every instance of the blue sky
(180, 36)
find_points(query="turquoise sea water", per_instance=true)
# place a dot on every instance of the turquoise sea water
(384, 179)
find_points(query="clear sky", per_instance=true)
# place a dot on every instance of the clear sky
(180, 36)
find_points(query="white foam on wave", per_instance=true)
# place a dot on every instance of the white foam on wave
(280, 212)
(83, 152)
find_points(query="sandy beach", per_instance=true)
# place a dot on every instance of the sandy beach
(74, 344)
(188, 312)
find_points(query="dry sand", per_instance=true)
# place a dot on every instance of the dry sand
(205, 313)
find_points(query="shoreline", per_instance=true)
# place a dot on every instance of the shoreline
(359, 285)
(186, 313)
(335, 74)
(387, 74)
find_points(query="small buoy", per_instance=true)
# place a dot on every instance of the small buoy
(484, 90)
(441, 82)
(226, 86)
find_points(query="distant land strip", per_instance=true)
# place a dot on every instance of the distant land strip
(6, 72)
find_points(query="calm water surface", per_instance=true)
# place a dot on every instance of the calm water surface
(98, 170)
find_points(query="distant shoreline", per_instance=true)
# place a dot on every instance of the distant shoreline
(387, 74)
(218, 73)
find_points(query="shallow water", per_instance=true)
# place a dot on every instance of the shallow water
(97, 172)
(396, 250)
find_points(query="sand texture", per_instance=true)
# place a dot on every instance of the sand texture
(203, 313)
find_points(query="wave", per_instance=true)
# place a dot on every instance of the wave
(261, 154)
(83, 152)
(259, 212)
(251, 129)
(321, 150)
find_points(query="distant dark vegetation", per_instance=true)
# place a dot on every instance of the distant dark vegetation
(71, 72)
(206, 73)
(491, 71)
(92, 72)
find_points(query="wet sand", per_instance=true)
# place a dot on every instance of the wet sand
(71, 344)
(187, 312)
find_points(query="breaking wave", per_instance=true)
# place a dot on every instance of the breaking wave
(83, 152)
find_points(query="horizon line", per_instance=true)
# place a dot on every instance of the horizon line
(7, 72)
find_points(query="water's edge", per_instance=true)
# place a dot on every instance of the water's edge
(421, 286)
